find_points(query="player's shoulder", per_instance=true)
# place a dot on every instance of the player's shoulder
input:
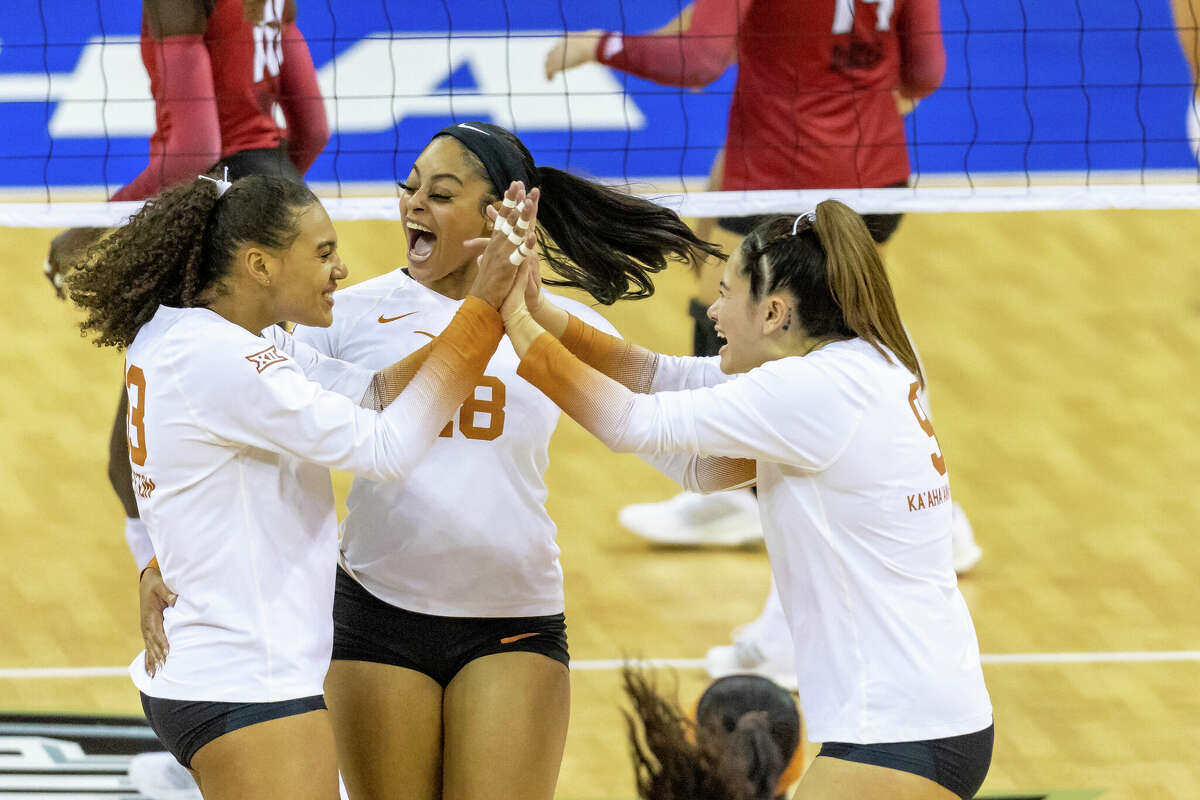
(854, 369)
(583, 311)
(227, 353)
(374, 289)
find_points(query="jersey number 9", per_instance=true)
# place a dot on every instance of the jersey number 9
(939, 463)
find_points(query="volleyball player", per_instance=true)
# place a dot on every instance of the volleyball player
(745, 741)
(231, 440)
(815, 395)
(820, 89)
(449, 674)
(217, 69)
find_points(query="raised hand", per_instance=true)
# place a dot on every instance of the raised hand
(571, 51)
(526, 292)
(513, 239)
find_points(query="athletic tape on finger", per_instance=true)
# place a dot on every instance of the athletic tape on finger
(515, 258)
(524, 249)
(522, 224)
(504, 226)
(508, 203)
(516, 238)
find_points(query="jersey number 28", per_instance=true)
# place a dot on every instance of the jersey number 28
(492, 408)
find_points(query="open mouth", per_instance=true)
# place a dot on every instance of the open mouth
(420, 241)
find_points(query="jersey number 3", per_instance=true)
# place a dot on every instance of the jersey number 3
(136, 421)
(492, 408)
(939, 463)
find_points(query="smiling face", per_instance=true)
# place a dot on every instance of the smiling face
(306, 273)
(441, 207)
(736, 316)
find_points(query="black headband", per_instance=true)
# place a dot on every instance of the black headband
(502, 161)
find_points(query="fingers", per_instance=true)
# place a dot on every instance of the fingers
(554, 59)
(155, 640)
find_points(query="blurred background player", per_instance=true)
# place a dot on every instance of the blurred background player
(217, 70)
(1187, 27)
(860, 66)
(744, 742)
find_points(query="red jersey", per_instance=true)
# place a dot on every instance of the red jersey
(813, 106)
(245, 72)
(214, 95)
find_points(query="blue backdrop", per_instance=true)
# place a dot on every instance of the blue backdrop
(1030, 86)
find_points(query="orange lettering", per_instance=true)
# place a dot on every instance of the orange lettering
(939, 463)
(493, 407)
(136, 421)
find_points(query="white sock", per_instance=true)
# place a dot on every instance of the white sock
(138, 539)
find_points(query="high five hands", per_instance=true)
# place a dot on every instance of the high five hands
(513, 241)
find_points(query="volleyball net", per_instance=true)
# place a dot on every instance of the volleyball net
(1054, 104)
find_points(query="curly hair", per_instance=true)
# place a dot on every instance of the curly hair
(176, 250)
(674, 760)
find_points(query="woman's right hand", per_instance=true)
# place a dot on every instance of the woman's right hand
(512, 230)
(153, 599)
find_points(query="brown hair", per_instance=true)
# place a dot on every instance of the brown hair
(828, 262)
(176, 249)
(595, 237)
(672, 762)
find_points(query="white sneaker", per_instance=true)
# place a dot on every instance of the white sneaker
(159, 776)
(966, 553)
(722, 518)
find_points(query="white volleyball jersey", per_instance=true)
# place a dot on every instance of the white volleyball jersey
(856, 512)
(467, 533)
(231, 445)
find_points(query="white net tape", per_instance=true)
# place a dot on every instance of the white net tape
(723, 204)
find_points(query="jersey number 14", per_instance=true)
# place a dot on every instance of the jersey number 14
(843, 14)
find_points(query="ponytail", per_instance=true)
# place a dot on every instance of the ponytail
(607, 242)
(176, 250)
(828, 261)
(594, 237)
(674, 760)
(751, 760)
(859, 283)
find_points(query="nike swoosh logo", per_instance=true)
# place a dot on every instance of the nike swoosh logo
(383, 319)
(517, 638)
(426, 333)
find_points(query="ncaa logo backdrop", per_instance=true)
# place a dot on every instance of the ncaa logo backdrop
(1051, 85)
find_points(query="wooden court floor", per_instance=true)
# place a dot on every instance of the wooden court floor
(1062, 350)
